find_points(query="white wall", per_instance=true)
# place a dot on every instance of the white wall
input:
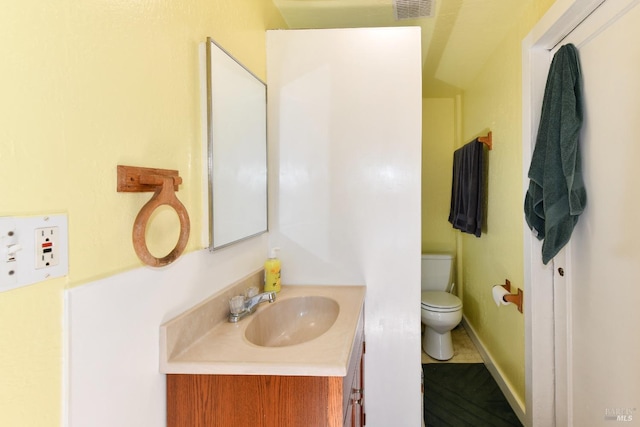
(345, 155)
(112, 325)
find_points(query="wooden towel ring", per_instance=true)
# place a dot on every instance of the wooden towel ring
(164, 195)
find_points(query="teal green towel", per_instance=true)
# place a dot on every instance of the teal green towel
(556, 195)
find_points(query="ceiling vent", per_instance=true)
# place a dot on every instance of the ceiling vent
(411, 9)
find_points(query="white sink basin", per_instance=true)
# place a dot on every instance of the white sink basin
(292, 321)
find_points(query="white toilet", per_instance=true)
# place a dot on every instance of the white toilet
(441, 310)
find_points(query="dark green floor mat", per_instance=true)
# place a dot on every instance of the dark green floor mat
(464, 394)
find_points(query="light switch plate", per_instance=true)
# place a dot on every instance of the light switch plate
(26, 256)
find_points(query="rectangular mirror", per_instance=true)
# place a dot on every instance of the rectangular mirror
(237, 149)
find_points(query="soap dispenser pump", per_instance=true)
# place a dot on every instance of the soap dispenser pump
(272, 272)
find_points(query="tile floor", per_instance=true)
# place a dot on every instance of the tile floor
(464, 351)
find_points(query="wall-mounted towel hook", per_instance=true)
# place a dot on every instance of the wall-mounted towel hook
(164, 183)
(487, 140)
(513, 298)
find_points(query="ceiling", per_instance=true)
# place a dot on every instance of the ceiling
(455, 42)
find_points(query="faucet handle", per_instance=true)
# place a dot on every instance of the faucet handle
(236, 304)
(251, 292)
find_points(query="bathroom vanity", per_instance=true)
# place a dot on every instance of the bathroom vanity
(279, 371)
(267, 400)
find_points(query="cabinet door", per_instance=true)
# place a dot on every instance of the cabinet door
(253, 400)
(357, 394)
(361, 414)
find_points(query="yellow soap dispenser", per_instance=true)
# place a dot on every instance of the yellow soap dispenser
(272, 272)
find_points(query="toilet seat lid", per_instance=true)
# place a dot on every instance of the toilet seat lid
(440, 300)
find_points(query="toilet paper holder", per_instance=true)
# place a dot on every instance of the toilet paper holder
(513, 298)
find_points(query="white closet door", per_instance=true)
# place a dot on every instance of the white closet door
(602, 261)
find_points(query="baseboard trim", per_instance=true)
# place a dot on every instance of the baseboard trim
(516, 404)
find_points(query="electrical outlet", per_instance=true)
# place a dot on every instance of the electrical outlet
(46, 247)
(32, 249)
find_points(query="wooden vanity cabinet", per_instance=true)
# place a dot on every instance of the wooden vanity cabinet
(268, 400)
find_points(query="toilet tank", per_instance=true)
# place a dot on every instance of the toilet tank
(437, 272)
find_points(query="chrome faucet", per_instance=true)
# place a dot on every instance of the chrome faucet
(249, 305)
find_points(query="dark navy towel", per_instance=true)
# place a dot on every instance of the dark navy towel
(556, 194)
(467, 189)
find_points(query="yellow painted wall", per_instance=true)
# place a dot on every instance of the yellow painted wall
(87, 85)
(438, 131)
(494, 102)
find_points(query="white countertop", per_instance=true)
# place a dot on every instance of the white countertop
(223, 348)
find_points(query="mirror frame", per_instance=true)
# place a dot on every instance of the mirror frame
(236, 157)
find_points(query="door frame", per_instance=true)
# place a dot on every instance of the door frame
(548, 394)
